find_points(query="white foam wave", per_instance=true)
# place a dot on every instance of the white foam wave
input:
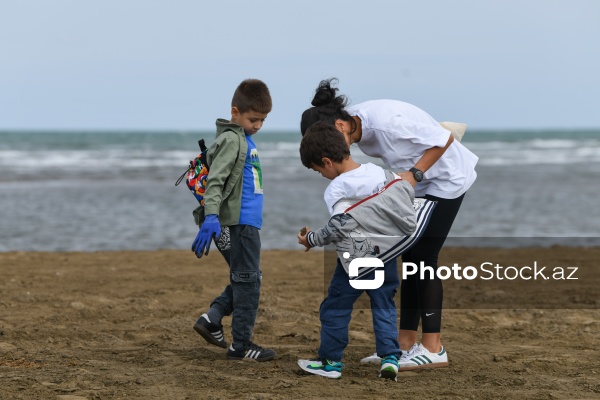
(87, 160)
(551, 152)
(540, 152)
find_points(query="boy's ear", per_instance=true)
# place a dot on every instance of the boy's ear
(326, 161)
(235, 113)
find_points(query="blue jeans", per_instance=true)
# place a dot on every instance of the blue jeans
(240, 298)
(336, 312)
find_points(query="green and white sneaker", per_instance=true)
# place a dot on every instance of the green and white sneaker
(422, 358)
(389, 368)
(326, 368)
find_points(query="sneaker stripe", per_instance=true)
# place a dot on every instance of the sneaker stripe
(424, 359)
(417, 360)
(251, 352)
(442, 352)
(428, 360)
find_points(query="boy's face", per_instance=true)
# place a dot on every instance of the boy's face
(327, 170)
(251, 121)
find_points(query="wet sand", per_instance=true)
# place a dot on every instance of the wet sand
(112, 325)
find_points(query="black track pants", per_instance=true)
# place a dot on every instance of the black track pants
(422, 299)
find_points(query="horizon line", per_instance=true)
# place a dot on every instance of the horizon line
(267, 130)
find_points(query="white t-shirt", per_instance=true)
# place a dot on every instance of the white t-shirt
(363, 181)
(399, 133)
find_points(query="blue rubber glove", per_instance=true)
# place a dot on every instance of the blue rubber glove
(211, 227)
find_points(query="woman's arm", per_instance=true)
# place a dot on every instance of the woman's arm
(429, 158)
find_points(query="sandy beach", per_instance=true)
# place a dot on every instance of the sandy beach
(118, 325)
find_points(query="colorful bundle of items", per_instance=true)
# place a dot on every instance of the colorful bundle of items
(197, 174)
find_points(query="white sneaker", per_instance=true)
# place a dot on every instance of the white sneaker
(406, 354)
(374, 359)
(420, 357)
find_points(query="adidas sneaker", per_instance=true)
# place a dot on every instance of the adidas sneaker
(326, 368)
(251, 352)
(211, 332)
(420, 357)
(406, 355)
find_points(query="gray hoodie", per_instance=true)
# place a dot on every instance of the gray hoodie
(383, 225)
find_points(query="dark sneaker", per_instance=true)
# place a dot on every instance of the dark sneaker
(326, 368)
(212, 333)
(251, 352)
(389, 368)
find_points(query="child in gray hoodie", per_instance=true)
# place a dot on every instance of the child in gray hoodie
(374, 216)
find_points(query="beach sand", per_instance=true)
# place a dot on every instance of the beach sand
(112, 325)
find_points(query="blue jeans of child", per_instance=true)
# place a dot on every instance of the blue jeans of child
(240, 298)
(336, 312)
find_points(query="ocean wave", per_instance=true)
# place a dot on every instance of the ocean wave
(286, 155)
(554, 151)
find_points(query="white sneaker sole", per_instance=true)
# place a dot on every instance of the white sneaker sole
(412, 367)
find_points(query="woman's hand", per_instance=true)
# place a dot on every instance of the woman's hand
(430, 157)
(302, 237)
(408, 177)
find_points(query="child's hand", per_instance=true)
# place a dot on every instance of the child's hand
(302, 237)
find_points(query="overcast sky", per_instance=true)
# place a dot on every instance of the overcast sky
(148, 64)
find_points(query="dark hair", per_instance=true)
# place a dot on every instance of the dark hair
(327, 107)
(322, 140)
(252, 95)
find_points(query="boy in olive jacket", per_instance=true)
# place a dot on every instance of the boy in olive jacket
(234, 199)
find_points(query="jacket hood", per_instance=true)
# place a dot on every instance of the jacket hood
(224, 125)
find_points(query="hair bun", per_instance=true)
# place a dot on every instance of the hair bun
(326, 94)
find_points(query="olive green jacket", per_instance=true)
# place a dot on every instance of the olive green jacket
(226, 158)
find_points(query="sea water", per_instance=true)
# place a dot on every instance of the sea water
(90, 191)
